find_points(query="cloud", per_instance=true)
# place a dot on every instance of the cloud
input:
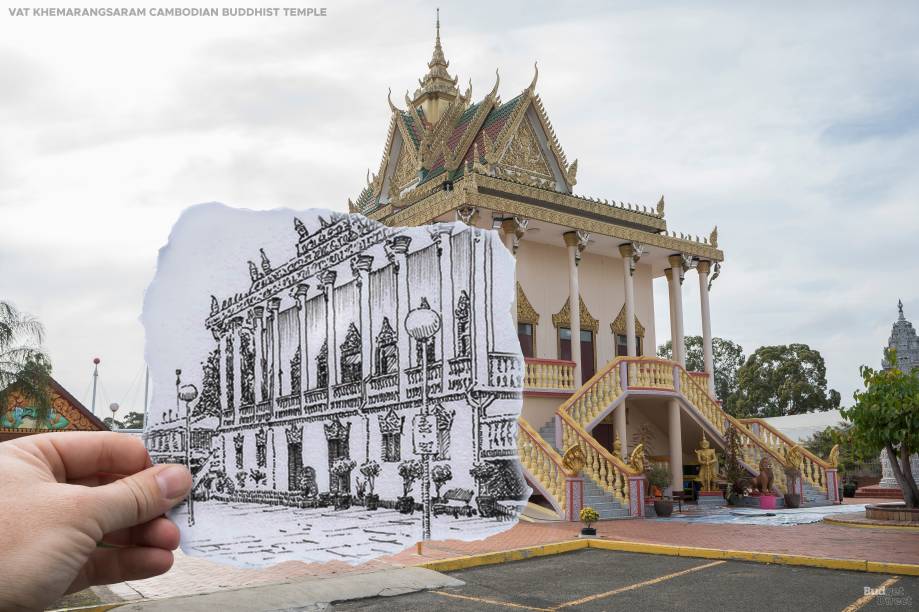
(792, 127)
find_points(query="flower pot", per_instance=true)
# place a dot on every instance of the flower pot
(487, 505)
(792, 500)
(767, 502)
(372, 501)
(342, 502)
(663, 507)
(324, 500)
(589, 531)
(405, 505)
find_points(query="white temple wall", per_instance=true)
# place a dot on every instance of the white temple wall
(542, 271)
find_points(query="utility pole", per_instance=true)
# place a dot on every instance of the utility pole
(96, 361)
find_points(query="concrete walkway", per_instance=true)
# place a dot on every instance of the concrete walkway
(310, 594)
(192, 576)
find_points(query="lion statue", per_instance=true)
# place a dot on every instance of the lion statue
(764, 480)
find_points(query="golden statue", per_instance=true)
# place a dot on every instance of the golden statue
(708, 465)
(573, 460)
(833, 459)
(636, 459)
(794, 457)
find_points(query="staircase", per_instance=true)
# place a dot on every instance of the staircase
(611, 483)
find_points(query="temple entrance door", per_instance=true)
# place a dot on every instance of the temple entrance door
(588, 360)
(338, 448)
(294, 465)
(603, 433)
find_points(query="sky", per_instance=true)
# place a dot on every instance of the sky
(793, 127)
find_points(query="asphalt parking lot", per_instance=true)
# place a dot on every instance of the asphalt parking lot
(595, 579)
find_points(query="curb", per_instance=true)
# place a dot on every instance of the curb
(520, 554)
(907, 528)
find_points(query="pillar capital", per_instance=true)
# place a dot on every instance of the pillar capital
(704, 266)
(631, 252)
(258, 311)
(578, 239)
(274, 305)
(327, 278)
(361, 264)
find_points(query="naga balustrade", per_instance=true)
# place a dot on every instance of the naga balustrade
(595, 396)
(643, 373)
(544, 464)
(549, 375)
(813, 468)
(603, 467)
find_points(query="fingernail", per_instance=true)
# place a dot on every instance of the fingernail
(173, 481)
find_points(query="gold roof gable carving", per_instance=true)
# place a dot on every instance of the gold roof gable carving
(563, 317)
(618, 325)
(525, 311)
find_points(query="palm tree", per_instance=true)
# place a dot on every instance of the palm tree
(24, 367)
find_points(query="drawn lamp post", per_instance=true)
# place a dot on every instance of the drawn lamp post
(188, 394)
(421, 324)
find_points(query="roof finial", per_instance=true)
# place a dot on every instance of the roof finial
(900, 308)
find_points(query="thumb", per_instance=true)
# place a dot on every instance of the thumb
(141, 497)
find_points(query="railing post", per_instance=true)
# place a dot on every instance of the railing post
(558, 432)
(574, 491)
(676, 379)
(832, 486)
(637, 486)
(624, 375)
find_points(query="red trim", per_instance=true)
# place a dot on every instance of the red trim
(549, 361)
(560, 393)
(56, 387)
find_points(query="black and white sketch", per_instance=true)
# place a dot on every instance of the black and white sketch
(347, 388)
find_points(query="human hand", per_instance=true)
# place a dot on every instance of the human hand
(62, 494)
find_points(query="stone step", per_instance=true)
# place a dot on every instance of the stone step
(547, 431)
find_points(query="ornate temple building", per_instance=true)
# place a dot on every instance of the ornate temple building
(597, 403)
(18, 417)
(904, 340)
(317, 370)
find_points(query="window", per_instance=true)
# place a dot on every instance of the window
(429, 345)
(588, 365)
(525, 335)
(387, 357)
(261, 448)
(622, 347)
(392, 447)
(322, 366)
(238, 442)
(461, 317)
(351, 356)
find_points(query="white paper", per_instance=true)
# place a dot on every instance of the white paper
(284, 441)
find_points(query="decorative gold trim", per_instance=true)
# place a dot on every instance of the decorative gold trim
(573, 461)
(563, 317)
(420, 208)
(618, 325)
(525, 311)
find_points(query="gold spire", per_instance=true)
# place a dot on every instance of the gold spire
(438, 88)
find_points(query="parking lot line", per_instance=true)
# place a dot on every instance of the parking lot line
(637, 585)
(494, 602)
(867, 598)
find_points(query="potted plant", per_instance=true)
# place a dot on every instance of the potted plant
(324, 500)
(410, 471)
(659, 477)
(258, 476)
(341, 469)
(588, 516)
(440, 474)
(370, 471)
(483, 473)
(848, 489)
(792, 498)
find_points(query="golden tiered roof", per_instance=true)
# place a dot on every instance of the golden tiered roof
(444, 153)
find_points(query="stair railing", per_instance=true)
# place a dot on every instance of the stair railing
(813, 468)
(544, 464)
(607, 470)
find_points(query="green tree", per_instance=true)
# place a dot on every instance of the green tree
(782, 380)
(885, 417)
(24, 367)
(822, 442)
(131, 420)
(727, 356)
